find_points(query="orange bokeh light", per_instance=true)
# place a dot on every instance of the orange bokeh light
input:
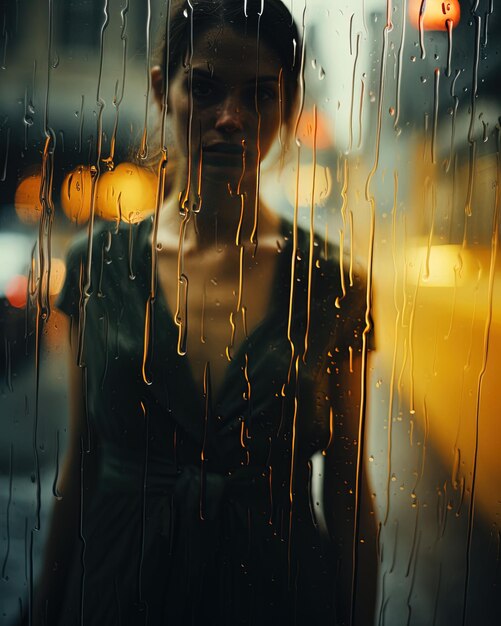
(436, 13)
(76, 194)
(306, 130)
(27, 199)
(127, 193)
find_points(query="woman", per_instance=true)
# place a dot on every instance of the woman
(217, 346)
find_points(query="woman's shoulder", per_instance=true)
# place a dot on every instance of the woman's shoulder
(335, 273)
(115, 239)
(102, 256)
(333, 286)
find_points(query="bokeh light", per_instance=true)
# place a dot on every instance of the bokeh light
(306, 134)
(16, 291)
(436, 13)
(57, 276)
(127, 193)
(323, 185)
(76, 194)
(27, 199)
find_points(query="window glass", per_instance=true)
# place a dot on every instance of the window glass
(250, 312)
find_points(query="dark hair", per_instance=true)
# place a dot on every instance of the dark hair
(270, 19)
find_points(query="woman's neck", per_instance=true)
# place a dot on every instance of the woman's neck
(223, 216)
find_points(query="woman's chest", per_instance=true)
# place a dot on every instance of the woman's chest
(215, 302)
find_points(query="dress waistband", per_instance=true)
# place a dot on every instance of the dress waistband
(189, 483)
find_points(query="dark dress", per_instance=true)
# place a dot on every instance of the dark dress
(166, 537)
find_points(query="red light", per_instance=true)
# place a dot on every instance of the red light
(16, 291)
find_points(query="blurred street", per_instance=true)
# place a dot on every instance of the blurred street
(20, 545)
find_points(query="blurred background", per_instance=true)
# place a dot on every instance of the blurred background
(397, 158)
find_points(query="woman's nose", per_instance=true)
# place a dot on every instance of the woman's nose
(229, 116)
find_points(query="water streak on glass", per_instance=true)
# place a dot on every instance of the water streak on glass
(487, 16)
(5, 45)
(413, 550)
(450, 26)
(422, 10)
(411, 351)
(352, 106)
(331, 430)
(184, 198)
(293, 461)
(229, 347)
(398, 314)
(118, 97)
(473, 113)
(293, 265)
(430, 187)
(145, 416)
(181, 313)
(360, 112)
(44, 264)
(254, 232)
(206, 426)
(437, 595)
(8, 365)
(435, 115)
(398, 85)
(240, 279)
(342, 231)
(384, 602)
(143, 148)
(413, 580)
(95, 172)
(150, 302)
(7, 514)
(312, 235)
(55, 491)
(3, 175)
(480, 383)
(455, 107)
(368, 324)
(81, 533)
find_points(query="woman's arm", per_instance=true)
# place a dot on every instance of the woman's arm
(76, 480)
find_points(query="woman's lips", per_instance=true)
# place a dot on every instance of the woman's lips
(230, 149)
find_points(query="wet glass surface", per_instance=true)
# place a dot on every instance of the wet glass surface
(324, 330)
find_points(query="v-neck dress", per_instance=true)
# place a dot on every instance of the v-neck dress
(202, 508)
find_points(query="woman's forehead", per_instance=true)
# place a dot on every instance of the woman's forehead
(224, 50)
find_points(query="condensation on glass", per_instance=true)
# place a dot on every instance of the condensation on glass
(393, 161)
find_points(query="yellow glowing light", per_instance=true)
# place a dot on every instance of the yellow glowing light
(448, 378)
(76, 194)
(323, 186)
(27, 199)
(436, 14)
(442, 266)
(127, 193)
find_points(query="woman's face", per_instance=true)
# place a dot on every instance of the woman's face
(235, 104)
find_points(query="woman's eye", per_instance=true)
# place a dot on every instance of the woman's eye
(266, 93)
(202, 89)
(261, 96)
